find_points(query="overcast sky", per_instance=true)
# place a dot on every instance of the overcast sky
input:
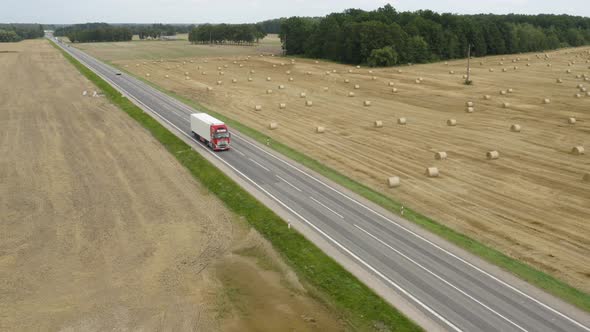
(238, 11)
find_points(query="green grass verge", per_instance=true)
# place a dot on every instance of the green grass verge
(516, 267)
(354, 301)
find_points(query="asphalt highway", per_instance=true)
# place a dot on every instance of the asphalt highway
(449, 289)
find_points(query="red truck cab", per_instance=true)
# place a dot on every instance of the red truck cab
(220, 137)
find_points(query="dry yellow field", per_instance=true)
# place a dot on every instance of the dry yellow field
(102, 229)
(531, 203)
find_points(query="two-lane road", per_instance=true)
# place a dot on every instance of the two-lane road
(450, 290)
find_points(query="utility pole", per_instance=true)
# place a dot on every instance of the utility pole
(468, 79)
(285, 49)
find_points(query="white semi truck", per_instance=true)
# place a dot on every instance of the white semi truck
(210, 131)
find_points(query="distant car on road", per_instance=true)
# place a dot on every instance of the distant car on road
(118, 73)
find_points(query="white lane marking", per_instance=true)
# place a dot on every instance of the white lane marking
(440, 278)
(324, 205)
(259, 164)
(500, 281)
(289, 183)
(238, 151)
(310, 224)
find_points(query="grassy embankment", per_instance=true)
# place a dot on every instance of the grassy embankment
(359, 306)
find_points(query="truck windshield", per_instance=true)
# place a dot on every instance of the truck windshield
(221, 135)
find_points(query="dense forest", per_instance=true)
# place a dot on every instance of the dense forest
(226, 34)
(385, 37)
(18, 32)
(95, 32)
(154, 31)
(271, 26)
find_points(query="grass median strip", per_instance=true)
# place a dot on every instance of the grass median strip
(354, 301)
(520, 269)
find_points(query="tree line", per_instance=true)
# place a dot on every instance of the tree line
(18, 32)
(385, 37)
(94, 32)
(154, 31)
(226, 34)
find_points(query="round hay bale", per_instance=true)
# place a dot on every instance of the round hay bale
(186, 73)
(250, 79)
(302, 95)
(187, 78)
(346, 80)
(252, 71)
(501, 63)
(492, 155)
(288, 72)
(378, 124)
(399, 71)
(308, 103)
(510, 90)
(487, 97)
(241, 65)
(577, 95)
(571, 120)
(326, 88)
(505, 105)
(451, 122)
(374, 78)
(469, 104)
(320, 129)
(370, 71)
(548, 65)
(233, 80)
(273, 125)
(356, 86)
(209, 88)
(418, 81)
(224, 66)
(569, 71)
(268, 79)
(219, 82)
(393, 181)
(351, 94)
(269, 91)
(218, 68)
(316, 62)
(515, 67)
(282, 106)
(559, 80)
(451, 72)
(274, 66)
(502, 92)
(491, 70)
(583, 90)
(528, 64)
(394, 90)
(148, 74)
(203, 73)
(358, 67)
(350, 71)
(578, 150)
(281, 87)
(221, 73)
(432, 172)
(464, 77)
(402, 121)
(504, 70)
(515, 128)
(546, 101)
(258, 108)
(469, 109)
(441, 155)
(334, 70)
(291, 79)
(166, 76)
(391, 83)
(367, 103)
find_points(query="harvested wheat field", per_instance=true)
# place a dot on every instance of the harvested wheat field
(529, 200)
(102, 229)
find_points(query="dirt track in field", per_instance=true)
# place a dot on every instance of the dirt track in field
(531, 203)
(101, 228)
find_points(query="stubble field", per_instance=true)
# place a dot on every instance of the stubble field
(102, 229)
(532, 203)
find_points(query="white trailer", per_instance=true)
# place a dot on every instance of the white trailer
(210, 130)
